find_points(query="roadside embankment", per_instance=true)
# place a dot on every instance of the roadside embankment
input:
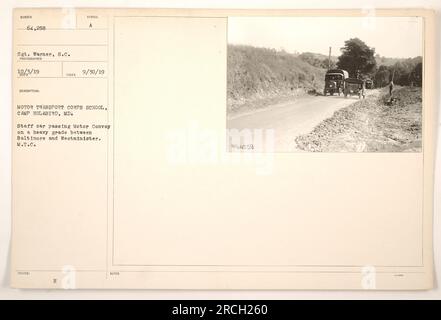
(371, 125)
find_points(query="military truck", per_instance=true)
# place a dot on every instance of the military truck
(335, 81)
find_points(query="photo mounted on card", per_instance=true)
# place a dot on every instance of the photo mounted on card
(223, 149)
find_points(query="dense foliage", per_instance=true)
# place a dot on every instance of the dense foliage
(407, 72)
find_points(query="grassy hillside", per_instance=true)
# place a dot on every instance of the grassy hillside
(258, 74)
(318, 59)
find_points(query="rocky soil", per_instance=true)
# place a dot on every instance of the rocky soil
(373, 124)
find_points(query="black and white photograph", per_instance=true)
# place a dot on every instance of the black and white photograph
(234, 153)
(325, 84)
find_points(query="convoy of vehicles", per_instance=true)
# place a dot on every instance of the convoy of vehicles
(338, 81)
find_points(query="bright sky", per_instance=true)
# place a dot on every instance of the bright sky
(399, 37)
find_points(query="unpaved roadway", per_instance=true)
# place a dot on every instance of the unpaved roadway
(292, 118)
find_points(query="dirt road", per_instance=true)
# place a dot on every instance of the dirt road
(291, 119)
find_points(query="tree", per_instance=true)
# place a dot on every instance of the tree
(382, 76)
(357, 57)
